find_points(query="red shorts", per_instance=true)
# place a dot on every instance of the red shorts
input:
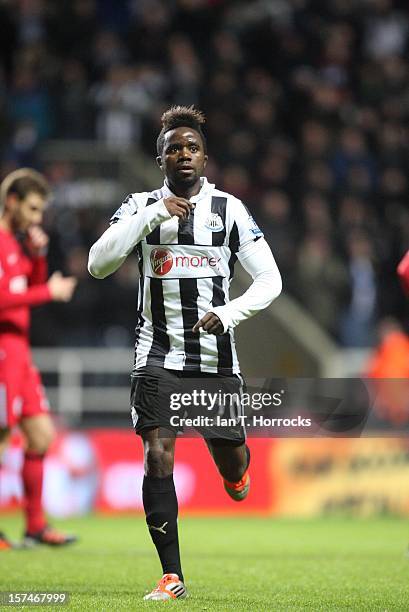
(22, 394)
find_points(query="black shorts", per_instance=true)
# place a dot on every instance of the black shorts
(187, 402)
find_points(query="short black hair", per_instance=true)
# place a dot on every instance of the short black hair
(21, 182)
(181, 116)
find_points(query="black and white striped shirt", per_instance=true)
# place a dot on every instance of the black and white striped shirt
(185, 271)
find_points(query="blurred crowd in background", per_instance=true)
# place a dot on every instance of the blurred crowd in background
(307, 105)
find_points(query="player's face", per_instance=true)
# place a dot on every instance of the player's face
(183, 159)
(28, 212)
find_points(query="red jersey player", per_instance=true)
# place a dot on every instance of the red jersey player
(23, 284)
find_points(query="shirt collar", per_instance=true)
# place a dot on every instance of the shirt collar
(205, 189)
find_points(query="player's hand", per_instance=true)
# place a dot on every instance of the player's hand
(178, 207)
(209, 323)
(37, 240)
(61, 288)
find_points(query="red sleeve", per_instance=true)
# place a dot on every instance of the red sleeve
(39, 272)
(403, 272)
(34, 296)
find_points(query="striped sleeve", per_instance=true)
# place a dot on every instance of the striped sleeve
(257, 259)
(244, 229)
(129, 225)
(128, 207)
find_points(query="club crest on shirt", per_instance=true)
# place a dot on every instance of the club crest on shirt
(214, 222)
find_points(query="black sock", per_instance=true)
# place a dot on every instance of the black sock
(248, 456)
(161, 510)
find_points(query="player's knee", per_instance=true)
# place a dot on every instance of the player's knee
(40, 439)
(158, 462)
(38, 445)
(43, 443)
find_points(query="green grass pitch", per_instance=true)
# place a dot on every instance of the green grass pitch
(240, 564)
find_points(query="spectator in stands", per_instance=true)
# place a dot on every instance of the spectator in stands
(358, 320)
(321, 280)
(307, 106)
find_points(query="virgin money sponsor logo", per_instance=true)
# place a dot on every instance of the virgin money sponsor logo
(163, 261)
